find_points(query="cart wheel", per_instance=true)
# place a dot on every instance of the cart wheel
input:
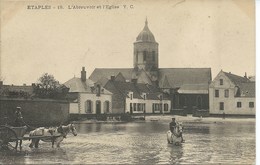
(8, 138)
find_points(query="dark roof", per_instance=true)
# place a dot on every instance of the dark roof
(123, 88)
(101, 73)
(145, 35)
(247, 89)
(77, 85)
(236, 79)
(176, 77)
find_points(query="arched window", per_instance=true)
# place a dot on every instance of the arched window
(106, 106)
(88, 106)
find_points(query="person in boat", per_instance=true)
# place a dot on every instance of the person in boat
(173, 125)
(18, 117)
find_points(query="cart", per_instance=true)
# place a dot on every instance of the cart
(11, 136)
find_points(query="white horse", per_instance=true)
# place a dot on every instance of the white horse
(53, 134)
(176, 136)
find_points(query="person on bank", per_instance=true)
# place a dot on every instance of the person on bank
(18, 117)
(173, 125)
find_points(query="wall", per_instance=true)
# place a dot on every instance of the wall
(38, 112)
(93, 97)
(74, 108)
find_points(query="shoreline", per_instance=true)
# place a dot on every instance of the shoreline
(167, 118)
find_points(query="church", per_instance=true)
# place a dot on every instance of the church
(187, 87)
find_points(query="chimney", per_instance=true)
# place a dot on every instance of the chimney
(113, 78)
(134, 80)
(245, 75)
(83, 74)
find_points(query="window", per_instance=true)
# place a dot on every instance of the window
(161, 97)
(153, 55)
(251, 105)
(239, 104)
(106, 107)
(216, 93)
(199, 102)
(165, 107)
(144, 96)
(134, 106)
(226, 93)
(144, 55)
(131, 96)
(144, 109)
(131, 107)
(98, 90)
(88, 106)
(138, 107)
(221, 106)
(220, 81)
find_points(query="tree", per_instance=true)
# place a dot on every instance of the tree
(48, 87)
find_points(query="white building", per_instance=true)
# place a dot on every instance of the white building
(231, 94)
(133, 97)
(88, 97)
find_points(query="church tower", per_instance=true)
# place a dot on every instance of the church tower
(146, 52)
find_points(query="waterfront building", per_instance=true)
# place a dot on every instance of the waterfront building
(133, 97)
(87, 97)
(232, 94)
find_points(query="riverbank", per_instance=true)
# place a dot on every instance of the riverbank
(168, 118)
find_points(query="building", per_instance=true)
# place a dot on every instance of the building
(87, 97)
(232, 94)
(188, 87)
(132, 97)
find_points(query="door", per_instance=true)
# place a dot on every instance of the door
(98, 107)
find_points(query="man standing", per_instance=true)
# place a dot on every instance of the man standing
(18, 117)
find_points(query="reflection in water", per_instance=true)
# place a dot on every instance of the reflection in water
(145, 143)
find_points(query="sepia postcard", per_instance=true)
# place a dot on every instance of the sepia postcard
(127, 82)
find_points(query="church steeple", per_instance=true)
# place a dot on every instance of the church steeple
(146, 50)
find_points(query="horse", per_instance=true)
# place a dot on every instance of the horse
(57, 134)
(176, 136)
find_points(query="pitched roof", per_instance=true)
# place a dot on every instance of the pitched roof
(236, 79)
(77, 85)
(247, 89)
(100, 73)
(176, 77)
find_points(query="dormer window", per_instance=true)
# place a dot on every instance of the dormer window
(98, 89)
(144, 96)
(130, 94)
(220, 81)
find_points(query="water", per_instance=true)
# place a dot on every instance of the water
(229, 141)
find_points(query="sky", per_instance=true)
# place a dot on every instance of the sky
(216, 34)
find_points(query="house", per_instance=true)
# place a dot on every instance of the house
(232, 94)
(87, 97)
(133, 97)
(187, 87)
